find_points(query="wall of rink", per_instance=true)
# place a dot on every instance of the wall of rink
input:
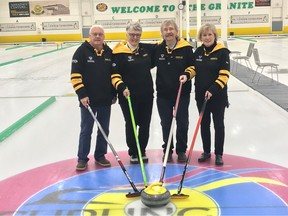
(69, 20)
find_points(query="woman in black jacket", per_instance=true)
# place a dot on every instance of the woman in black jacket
(132, 77)
(212, 66)
(211, 70)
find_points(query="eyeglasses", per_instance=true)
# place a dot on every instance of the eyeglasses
(95, 34)
(134, 35)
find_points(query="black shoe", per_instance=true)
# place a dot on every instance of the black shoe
(144, 158)
(81, 166)
(103, 162)
(204, 156)
(182, 157)
(169, 159)
(134, 159)
(219, 161)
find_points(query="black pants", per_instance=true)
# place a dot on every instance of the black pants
(165, 109)
(142, 110)
(216, 108)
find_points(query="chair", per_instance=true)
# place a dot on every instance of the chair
(231, 51)
(262, 65)
(246, 58)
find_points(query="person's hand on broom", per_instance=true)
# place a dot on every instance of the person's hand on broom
(126, 93)
(183, 78)
(85, 101)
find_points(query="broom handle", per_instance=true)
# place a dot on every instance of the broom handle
(170, 134)
(112, 149)
(137, 141)
(192, 144)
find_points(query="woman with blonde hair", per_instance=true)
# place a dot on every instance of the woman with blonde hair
(211, 66)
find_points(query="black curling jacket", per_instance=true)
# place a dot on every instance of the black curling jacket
(170, 65)
(132, 70)
(91, 74)
(212, 69)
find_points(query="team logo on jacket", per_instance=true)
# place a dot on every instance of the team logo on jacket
(130, 58)
(199, 58)
(90, 59)
(162, 57)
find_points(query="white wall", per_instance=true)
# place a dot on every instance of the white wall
(129, 9)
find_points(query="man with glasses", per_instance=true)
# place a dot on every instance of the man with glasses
(132, 77)
(91, 80)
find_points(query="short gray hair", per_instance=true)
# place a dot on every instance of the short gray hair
(96, 26)
(206, 27)
(136, 26)
(169, 22)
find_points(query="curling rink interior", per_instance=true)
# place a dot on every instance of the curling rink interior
(40, 123)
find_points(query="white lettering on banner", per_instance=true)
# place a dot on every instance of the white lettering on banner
(20, 5)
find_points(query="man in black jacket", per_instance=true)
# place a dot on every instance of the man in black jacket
(172, 57)
(91, 80)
